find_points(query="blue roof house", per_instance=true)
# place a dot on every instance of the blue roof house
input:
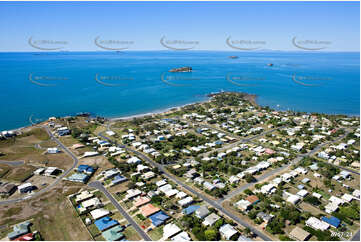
(105, 223)
(159, 218)
(333, 221)
(86, 169)
(118, 179)
(191, 209)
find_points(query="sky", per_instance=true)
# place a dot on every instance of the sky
(74, 26)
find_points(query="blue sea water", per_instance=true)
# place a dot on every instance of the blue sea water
(116, 84)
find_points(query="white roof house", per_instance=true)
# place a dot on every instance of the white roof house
(331, 207)
(227, 231)
(243, 205)
(181, 195)
(317, 195)
(233, 179)
(347, 197)
(209, 186)
(99, 213)
(315, 223)
(93, 202)
(133, 160)
(336, 200)
(182, 237)
(83, 196)
(161, 183)
(293, 199)
(148, 175)
(24, 186)
(132, 193)
(39, 171)
(210, 219)
(110, 133)
(301, 170)
(165, 188)
(53, 150)
(170, 230)
(186, 201)
(141, 168)
(356, 193)
(267, 189)
(202, 212)
(171, 192)
(302, 193)
(286, 177)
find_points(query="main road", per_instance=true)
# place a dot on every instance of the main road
(98, 185)
(58, 179)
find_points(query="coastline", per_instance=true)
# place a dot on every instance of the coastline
(249, 97)
(252, 98)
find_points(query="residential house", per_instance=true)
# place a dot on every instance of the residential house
(299, 234)
(169, 230)
(227, 231)
(202, 212)
(210, 219)
(315, 223)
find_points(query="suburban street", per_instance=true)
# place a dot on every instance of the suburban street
(204, 198)
(356, 237)
(57, 180)
(98, 185)
(279, 169)
(218, 204)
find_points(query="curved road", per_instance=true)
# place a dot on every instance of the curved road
(58, 179)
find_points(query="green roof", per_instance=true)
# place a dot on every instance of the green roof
(113, 233)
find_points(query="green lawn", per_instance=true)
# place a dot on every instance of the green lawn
(93, 230)
(131, 235)
(157, 233)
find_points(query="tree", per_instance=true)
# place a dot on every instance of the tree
(249, 178)
(219, 223)
(211, 234)
(248, 192)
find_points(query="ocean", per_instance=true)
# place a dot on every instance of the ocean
(119, 84)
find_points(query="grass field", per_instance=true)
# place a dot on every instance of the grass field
(52, 215)
(157, 233)
(131, 235)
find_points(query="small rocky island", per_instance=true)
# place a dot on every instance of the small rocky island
(181, 69)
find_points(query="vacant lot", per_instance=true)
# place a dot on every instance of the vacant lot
(52, 215)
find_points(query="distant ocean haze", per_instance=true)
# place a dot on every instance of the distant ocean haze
(119, 84)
